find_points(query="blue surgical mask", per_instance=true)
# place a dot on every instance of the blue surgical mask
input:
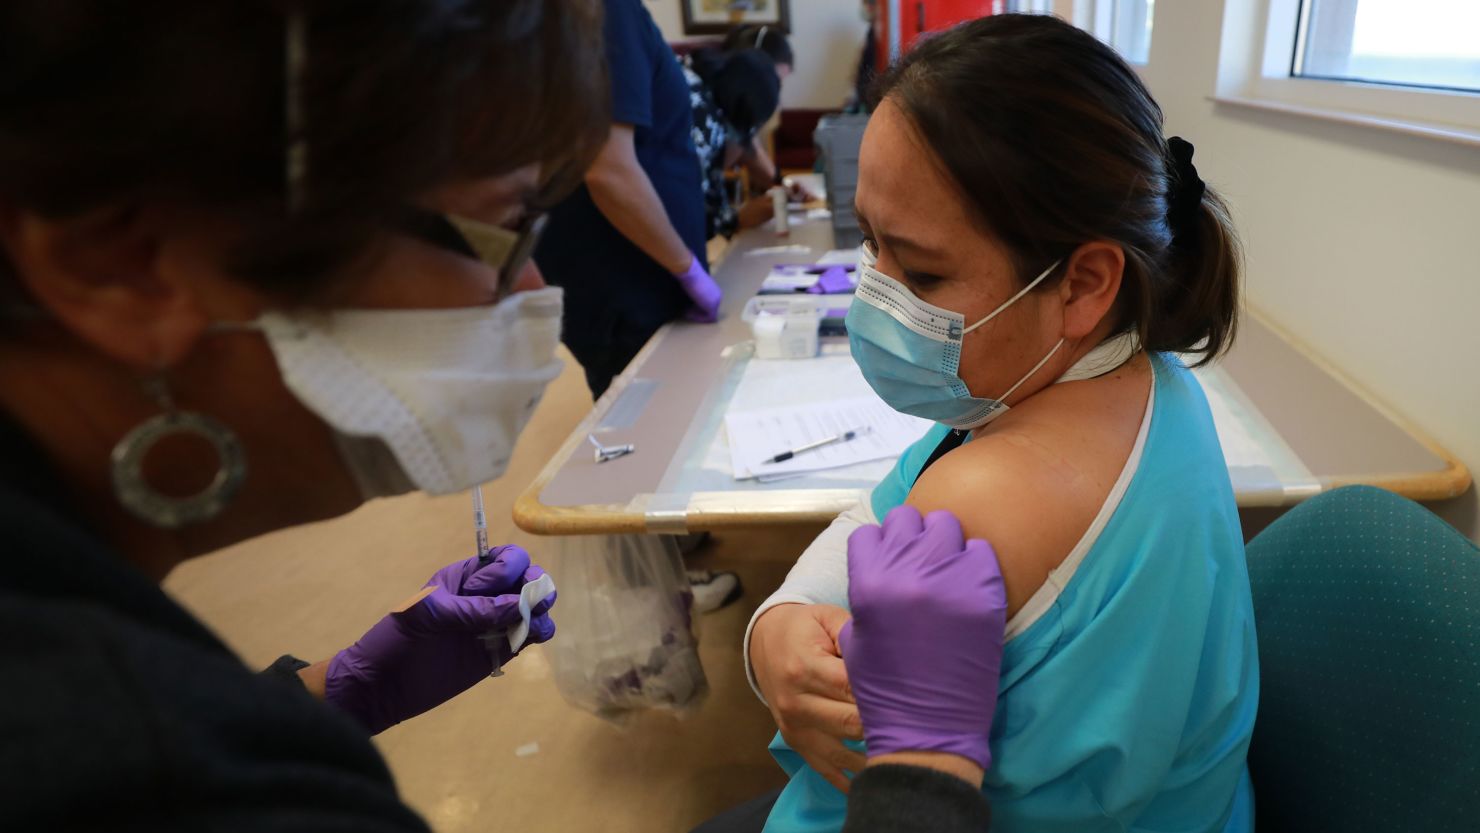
(910, 351)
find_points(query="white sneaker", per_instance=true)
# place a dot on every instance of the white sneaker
(714, 590)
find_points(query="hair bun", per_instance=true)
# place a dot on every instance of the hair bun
(1184, 202)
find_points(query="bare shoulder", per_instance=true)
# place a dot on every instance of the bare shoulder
(1032, 485)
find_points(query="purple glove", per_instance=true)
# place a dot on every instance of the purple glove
(702, 290)
(419, 658)
(833, 281)
(924, 646)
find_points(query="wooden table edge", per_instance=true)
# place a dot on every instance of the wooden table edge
(1451, 481)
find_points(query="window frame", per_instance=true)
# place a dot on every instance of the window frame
(1257, 64)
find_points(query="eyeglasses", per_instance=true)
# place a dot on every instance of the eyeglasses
(506, 249)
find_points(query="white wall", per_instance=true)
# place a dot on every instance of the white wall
(1366, 244)
(826, 36)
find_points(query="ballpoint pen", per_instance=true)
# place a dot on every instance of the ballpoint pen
(838, 438)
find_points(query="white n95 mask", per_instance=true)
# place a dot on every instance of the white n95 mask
(447, 391)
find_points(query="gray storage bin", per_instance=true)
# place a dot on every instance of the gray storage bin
(838, 137)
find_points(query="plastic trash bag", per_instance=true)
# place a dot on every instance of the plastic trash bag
(626, 637)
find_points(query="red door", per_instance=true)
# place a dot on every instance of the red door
(919, 16)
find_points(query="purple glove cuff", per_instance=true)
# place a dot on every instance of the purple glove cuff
(889, 739)
(347, 691)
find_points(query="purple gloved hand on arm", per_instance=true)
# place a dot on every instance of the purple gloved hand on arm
(924, 647)
(414, 660)
(702, 290)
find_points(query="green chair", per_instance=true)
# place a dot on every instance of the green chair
(1368, 613)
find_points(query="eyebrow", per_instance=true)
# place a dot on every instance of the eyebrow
(896, 241)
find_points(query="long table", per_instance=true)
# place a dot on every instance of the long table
(1307, 428)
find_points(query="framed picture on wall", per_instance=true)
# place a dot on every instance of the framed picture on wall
(715, 17)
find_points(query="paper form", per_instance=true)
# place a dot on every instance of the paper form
(758, 435)
(839, 257)
(774, 383)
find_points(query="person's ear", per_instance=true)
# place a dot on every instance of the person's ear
(99, 274)
(1091, 283)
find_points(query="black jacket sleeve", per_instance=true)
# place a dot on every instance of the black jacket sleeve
(109, 725)
(908, 799)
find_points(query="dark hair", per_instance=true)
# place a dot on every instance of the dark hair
(1054, 141)
(183, 102)
(768, 39)
(744, 85)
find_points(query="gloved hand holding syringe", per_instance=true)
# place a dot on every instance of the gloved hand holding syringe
(470, 619)
(529, 595)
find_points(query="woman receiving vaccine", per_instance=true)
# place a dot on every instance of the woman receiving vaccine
(1040, 266)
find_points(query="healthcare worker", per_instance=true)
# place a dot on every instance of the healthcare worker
(1040, 265)
(732, 94)
(226, 315)
(258, 262)
(757, 160)
(629, 245)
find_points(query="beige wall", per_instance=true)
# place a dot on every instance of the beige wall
(826, 36)
(1364, 243)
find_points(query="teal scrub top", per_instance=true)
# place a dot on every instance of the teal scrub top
(1128, 705)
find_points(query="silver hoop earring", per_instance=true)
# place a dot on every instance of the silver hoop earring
(165, 511)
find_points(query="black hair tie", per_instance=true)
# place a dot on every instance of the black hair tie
(1184, 203)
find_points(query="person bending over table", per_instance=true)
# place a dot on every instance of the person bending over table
(763, 170)
(733, 94)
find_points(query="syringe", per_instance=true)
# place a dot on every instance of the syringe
(480, 531)
(480, 525)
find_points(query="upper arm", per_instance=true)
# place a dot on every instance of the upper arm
(617, 158)
(630, 64)
(1003, 490)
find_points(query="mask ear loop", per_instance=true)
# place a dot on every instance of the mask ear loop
(1036, 368)
(1010, 301)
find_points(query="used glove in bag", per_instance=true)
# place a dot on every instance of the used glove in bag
(627, 634)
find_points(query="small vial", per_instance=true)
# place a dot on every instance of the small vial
(778, 207)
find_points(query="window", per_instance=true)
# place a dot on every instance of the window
(1411, 66)
(1421, 43)
(1124, 24)
(1130, 28)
